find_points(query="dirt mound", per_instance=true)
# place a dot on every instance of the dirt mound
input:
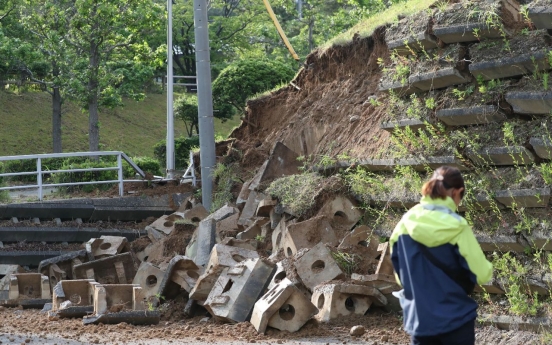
(325, 111)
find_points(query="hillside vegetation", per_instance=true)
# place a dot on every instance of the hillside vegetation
(25, 125)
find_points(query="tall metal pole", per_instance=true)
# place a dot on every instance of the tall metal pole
(300, 8)
(204, 101)
(170, 115)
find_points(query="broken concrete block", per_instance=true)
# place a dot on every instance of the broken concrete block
(245, 244)
(117, 269)
(307, 234)
(265, 206)
(187, 204)
(73, 298)
(385, 266)
(334, 301)
(278, 235)
(144, 254)
(222, 213)
(238, 288)
(149, 278)
(281, 162)
(121, 303)
(361, 236)
(341, 211)
(30, 290)
(61, 267)
(317, 266)
(275, 218)
(243, 196)
(254, 230)
(283, 307)
(196, 214)
(248, 213)
(228, 226)
(383, 282)
(154, 235)
(104, 246)
(221, 257)
(206, 239)
(9, 269)
(182, 273)
(165, 224)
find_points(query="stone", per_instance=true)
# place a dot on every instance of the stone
(507, 155)
(181, 273)
(540, 16)
(206, 239)
(307, 234)
(117, 269)
(385, 266)
(281, 162)
(121, 303)
(317, 266)
(477, 115)
(338, 300)
(248, 213)
(196, 214)
(542, 147)
(105, 246)
(437, 79)
(414, 125)
(530, 102)
(538, 197)
(57, 221)
(221, 257)
(265, 207)
(238, 288)
(357, 331)
(341, 211)
(385, 283)
(31, 290)
(149, 278)
(73, 298)
(14, 220)
(36, 221)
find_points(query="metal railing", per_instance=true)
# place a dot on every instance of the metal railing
(40, 172)
(190, 172)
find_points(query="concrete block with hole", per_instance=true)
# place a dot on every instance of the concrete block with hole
(117, 269)
(221, 257)
(73, 298)
(105, 246)
(308, 234)
(238, 288)
(181, 273)
(61, 267)
(282, 161)
(254, 230)
(265, 206)
(30, 290)
(283, 307)
(278, 235)
(317, 266)
(385, 266)
(165, 224)
(206, 239)
(149, 278)
(385, 283)
(342, 211)
(196, 214)
(121, 303)
(247, 216)
(245, 244)
(361, 236)
(338, 300)
(537, 197)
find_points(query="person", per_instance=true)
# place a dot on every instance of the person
(438, 261)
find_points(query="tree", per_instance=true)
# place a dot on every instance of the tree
(185, 108)
(245, 78)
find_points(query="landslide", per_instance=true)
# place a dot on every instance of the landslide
(325, 110)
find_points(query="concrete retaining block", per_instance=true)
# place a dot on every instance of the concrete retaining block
(465, 32)
(437, 79)
(542, 147)
(282, 161)
(416, 42)
(541, 16)
(196, 213)
(471, 116)
(414, 125)
(510, 67)
(221, 257)
(278, 236)
(334, 301)
(248, 213)
(538, 197)
(61, 267)
(516, 323)
(530, 102)
(361, 236)
(500, 243)
(251, 244)
(62, 234)
(385, 283)
(283, 307)
(149, 278)
(181, 273)
(117, 269)
(30, 290)
(384, 265)
(540, 240)
(489, 288)
(507, 155)
(398, 88)
(482, 202)
(206, 239)
(341, 210)
(317, 266)
(73, 298)
(105, 246)
(307, 234)
(238, 288)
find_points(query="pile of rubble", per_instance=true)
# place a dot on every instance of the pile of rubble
(254, 262)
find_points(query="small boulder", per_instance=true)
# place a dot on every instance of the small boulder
(357, 331)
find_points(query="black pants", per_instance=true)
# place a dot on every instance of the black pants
(464, 335)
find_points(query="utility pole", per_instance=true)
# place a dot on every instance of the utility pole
(300, 8)
(170, 103)
(204, 101)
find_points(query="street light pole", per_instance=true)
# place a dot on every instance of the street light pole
(170, 80)
(204, 101)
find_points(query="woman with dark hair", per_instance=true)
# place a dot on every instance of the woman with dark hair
(438, 262)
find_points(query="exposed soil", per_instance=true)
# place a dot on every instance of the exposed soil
(451, 56)
(410, 26)
(531, 42)
(41, 247)
(475, 11)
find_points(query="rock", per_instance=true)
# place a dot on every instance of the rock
(354, 118)
(357, 331)
(205, 319)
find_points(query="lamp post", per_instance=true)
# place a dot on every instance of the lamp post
(170, 114)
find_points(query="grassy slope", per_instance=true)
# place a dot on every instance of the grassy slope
(25, 125)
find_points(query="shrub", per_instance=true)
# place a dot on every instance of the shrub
(85, 176)
(182, 148)
(147, 164)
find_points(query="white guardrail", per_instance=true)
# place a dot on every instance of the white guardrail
(40, 172)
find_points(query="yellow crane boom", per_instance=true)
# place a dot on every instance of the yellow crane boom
(280, 31)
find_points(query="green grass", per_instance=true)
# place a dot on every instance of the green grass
(367, 26)
(25, 125)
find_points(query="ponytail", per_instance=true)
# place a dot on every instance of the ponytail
(443, 178)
